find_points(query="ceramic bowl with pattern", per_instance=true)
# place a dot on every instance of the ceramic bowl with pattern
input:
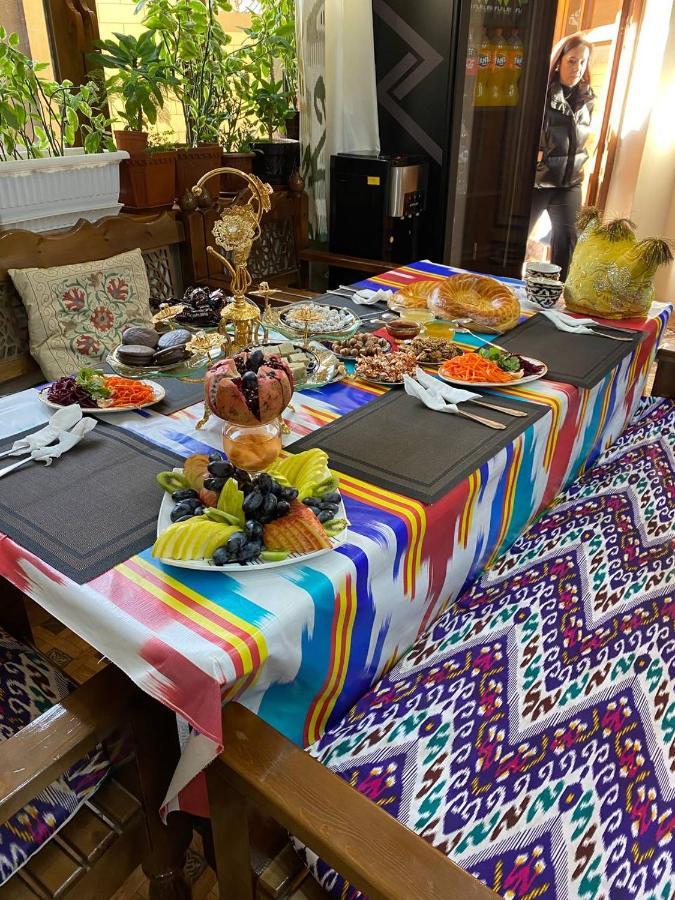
(545, 292)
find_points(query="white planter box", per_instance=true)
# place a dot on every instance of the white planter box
(56, 191)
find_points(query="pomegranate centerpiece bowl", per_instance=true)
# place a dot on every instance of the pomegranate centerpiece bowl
(249, 389)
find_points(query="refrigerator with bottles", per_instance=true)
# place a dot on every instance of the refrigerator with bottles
(464, 81)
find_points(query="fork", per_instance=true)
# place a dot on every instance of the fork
(489, 422)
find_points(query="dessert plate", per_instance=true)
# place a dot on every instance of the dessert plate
(207, 565)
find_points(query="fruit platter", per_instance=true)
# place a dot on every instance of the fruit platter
(217, 517)
(144, 351)
(92, 389)
(318, 321)
(491, 366)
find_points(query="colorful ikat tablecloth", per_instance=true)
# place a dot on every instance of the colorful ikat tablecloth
(299, 645)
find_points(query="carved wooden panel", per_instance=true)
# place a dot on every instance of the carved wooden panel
(274, 253)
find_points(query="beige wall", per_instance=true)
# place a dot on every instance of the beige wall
(643, 180)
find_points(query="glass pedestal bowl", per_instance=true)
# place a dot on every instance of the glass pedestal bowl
(252, 447)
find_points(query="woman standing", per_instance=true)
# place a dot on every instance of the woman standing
(563, 153)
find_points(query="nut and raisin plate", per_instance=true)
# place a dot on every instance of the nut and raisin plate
(360, 345)
(433, 351)
(386, 369)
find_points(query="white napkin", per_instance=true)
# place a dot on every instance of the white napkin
(435, 394)
(66, 441)
(446, 391)
(563, 322)
(62, 421)
(366, 296)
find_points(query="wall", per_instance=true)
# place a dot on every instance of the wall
(643, 179)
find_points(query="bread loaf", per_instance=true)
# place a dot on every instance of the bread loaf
(482, 303)
(488, 304)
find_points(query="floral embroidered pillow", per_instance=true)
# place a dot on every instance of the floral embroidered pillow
(76, 313)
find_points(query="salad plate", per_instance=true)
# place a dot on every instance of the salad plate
(509, 369)
(97, 392)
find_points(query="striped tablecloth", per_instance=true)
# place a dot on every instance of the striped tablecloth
(300, 644)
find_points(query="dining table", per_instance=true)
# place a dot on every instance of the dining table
(300, 644)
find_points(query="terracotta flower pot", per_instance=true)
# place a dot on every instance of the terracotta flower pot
(242, 161)
(133, 142)
(192, 163)
(148, 181)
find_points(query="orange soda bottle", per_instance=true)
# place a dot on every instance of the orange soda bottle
(514, 65)
(496, 81)
(486, 61)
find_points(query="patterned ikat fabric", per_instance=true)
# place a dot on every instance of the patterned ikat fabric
(30, 685)
(530, 733)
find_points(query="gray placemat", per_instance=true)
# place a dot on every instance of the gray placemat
(179, 395)
(91, 509)
(396, 443)
(579, 359)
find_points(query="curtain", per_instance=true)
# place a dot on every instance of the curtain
(338, 95)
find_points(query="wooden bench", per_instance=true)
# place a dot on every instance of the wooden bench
(260, 769)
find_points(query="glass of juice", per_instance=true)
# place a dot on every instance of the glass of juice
(252, 447)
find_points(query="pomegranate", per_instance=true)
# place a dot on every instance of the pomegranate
(249, 388)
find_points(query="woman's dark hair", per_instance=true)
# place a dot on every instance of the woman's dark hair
(564, 46)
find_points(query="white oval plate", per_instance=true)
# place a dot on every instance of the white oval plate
(493, 384)
(258, 565)
(157, 388)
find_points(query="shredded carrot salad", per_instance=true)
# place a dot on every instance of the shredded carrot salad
(473, 367)
(126, 392)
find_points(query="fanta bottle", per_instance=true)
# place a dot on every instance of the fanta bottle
(486, 62)
(496, 81)
(514, 66)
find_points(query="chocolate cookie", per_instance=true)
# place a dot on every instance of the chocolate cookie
(176, 338)
(169, 355)
(135, 355)
(139, 336)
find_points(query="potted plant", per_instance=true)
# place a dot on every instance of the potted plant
(274, 87)
(193, 42)
(45, 181)
(140, 78)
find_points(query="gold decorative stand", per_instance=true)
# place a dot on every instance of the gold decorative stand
(235, 231)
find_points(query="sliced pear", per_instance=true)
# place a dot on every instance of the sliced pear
(197, 538)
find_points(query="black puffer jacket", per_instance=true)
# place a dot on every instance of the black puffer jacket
(567, 121)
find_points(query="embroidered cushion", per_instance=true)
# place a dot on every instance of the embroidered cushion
(76, 313)
(30, 685)
(530, 737)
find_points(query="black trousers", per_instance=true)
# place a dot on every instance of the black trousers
(562, 205)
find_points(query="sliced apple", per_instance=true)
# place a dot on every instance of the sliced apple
(197, 538)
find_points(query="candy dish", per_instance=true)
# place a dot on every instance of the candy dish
(312, 320)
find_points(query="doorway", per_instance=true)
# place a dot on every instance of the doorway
(611, 26)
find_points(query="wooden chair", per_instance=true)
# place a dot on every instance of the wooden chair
(91, 856)
(159, 237)
(275, 257)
